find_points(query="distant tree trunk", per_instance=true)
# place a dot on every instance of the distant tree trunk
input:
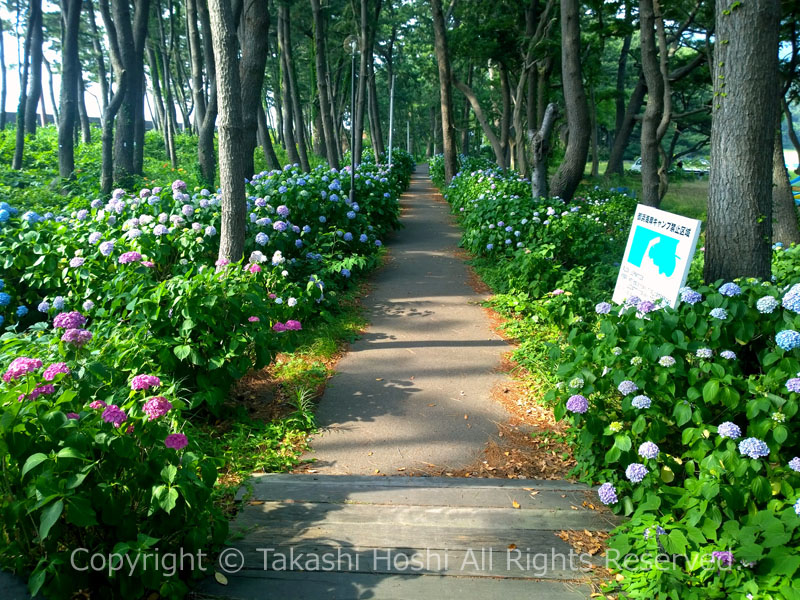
(86, 126)
(253, 36)
(792, 133)
(540, 145)
(445, 92)
(623, 134)
(70, 78)
(19, 147)
(593, 121)
(51, 88)
(570, 172)
(739, 225)
(368, 23)
(465, 116)
(622, 68)
(206, 155)
(266, 140)
(107, 133)
(505, 116)
(35, 84)
(3, 82)
(231, 175)
(784, 211)
(376, 131)
(544, 69)
(531, 18)
(196, 61)
(294, 92)
(99, 57)
(286, 89)
(323, 85)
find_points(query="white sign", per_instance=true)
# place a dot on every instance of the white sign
(658, 256)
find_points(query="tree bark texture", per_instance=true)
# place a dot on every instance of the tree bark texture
(35, 76)
(784, 211)
(86, 126)
(323, 85)
(445, 92)
(739, 225)
(19, 146)
(3, 81)
(570, 172)
(266, 140)
(231, 174)
(655, 104)
(790, 127)
(540, 146)
(70, 86)
(99, 56)
(206, 155)
(623, 134)
(287, 116)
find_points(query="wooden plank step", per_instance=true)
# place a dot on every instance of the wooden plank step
(352, 586)
(367, 493)
(552, 559)
(296, 516)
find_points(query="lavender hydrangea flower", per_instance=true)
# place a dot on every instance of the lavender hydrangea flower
(791, 301)
(645, 306)
(283, 210)
(627, 387)
(666, 361)
(106, 248)
(603, 308)
(753, 447)
(58, 302)
(724, 558)
(607, 494)
(43, 307)
(766, 305)
(689, 296)
(729, 430)
(210, 231)
(351, 214)
(641, 402)
(279, 226)
(76, 262)
(76, 337)
(794, 464)
(730, 289)
(160, 230)
(793, 385)
(262, 238)
(797, 507)
(88, 305)
(788, 339)
(94, 237)
(704, 353)
(728, 354)
(648, 450)
(577, 404)
(719, 313)
(636, 472)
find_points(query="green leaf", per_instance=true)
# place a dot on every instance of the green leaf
(168, 473)
(36, 581)
(68, 452)
(49, 517)
(676, 542)
(182, 351)
(623, 442)
(780, 434)
(762, 489)
(33, 461)
(711, 391)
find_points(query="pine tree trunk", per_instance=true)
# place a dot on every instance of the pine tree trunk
(739, 225)
(99, 57)
(19, 146)
(35, 83)
(323, 85)
(784, 211)
(266, 141)
(86, 126)
(3, 81)
(540, 146)
(622, 68)
(196, 61)
(292, 98)
(230, 131)
(70, 77)
(570, 172)
(287, 117)
(375, 128)
(623, 134)
(655, 104)
(445, 92)
(206, 155)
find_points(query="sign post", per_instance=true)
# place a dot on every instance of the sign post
(657, 257)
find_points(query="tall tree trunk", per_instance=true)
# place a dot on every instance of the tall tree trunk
(505, 118)
(35, 83)
(70, 78)
(99, 57)
(206, 155)
(266, 140)
(593, 121)
(294, 93)
(230, 131)
(739, 225)
(445, 92)
(3, 81)
(366, 38)
(623, 134)
(253, 36)
(622, 68)
(19, 146)
(540, 145)
(790, 127)
(465, 116)
(375, 129)
(196, 61)
(480, 116)
(86, 126)
(784, 211)
(544, 69)
(531, 18)
(570, 172)
(51, 88)
(288, 105)
(323, 85)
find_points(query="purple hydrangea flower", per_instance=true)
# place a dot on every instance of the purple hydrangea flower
(113, 414)
(648, 450)
(76, 337)
(129, 257)
(753, 447)
(262, 238)
(577, 404)
(282, 210)
(728, 354)
(729, 430)
(279, 226)
(211, 231)
(666, 361)
(607, 493)
(724, 558)
(54, 369)
(794, 464)
(603, 308)
(641, 402)
(689, 296)
(160, 230)
(70, 320)
(793, 384)
(636, 472)
(730, 289)
(627, 387)
(77, 262)
(645, 306)
(145, 382)
(106, 248)
(176, 441)
(88, 305)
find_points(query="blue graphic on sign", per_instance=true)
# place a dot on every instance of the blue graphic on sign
(658, 247)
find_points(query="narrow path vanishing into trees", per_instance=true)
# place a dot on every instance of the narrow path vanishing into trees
(415, 389)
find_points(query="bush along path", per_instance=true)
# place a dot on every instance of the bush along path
(413, 393)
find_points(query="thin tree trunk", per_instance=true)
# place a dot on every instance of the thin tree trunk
(623, 134)
(505, 117)
(86, 126)
(792, 133)
(196, 59)
(3, 81)
(323, 85)
(99, 57)
(266, 140)
(445, 92)
(287, 117)
(784, 211)
(19, 146)
(51, 88)
(70, 78)
(531, 18)
(205, 135)
(622, 68)
(593, 121)
(253, 36)
(465, 116)
(570, 172)
(293, 97)
(35, 83)
(544, 69)
(376, 131)
(230, 131)
(739, 225)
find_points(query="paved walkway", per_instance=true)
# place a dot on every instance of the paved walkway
(414, 390)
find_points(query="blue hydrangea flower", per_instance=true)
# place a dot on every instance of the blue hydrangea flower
(5, 299)
(753, 447)
(627, 387)
(730, 289)
(766, 305)
(648, 450)
(94, 237)
(689, 296)
(607, 494)
(211, 231)
(2, 320)
(729, 430)
(363, 238)
(378, 243)
(58, 302)
(106, 248)
(160, 230)
(43, 307)
(306, 229)
(282, 210)
(788, 339)
(603, 308)
(351, 214)
(322, 219)
(577, 404)
(88, 305)
(641, 401)
(298, 243)
(797, 507)
(262, 238)
(645, 306)
(4, 215)
(793, 385)
(22, 311)
(666, 361)
(345, 272)
(2, 284)
(791, 301)
(728, 354)
(719, 313)
(348, 237)
(794, 464)
(704, 353)
(636, 472)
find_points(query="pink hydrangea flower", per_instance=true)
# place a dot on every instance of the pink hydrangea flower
(176, 441)
(557, 292)
(292, 325)
(46, 389)
(97, 404)
(149, 264)
(52, 370)
(114, 415)
(253, 319)
(73, 416)
(253, 268)
(69, 320)
(144, 382)
(76, 337)
(156, 407)
(222, 262)
(129, 257)
(21, 366)
(279, 327)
